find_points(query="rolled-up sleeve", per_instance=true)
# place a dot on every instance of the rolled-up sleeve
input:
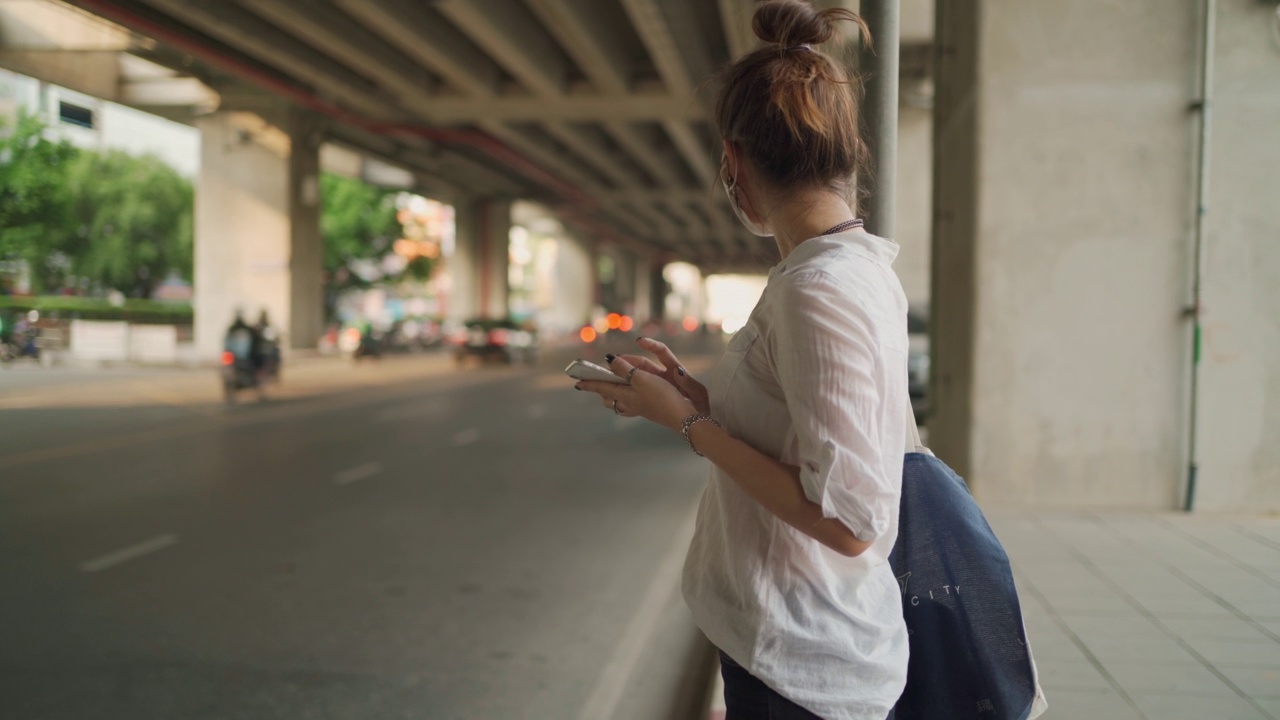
(826, 358)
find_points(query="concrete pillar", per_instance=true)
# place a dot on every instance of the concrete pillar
(257, 235)
(1239, 405)
(479, 264)
(642, 274)
(1062, 203)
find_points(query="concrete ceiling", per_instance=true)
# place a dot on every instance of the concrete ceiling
(597, 107)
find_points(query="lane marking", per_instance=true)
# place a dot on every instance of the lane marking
(357, 473)
(466, 437)
(619, 671)
(132, 552)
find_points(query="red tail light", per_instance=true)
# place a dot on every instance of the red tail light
(228, 358)
(498, 337)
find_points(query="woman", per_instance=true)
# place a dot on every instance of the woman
(805, 417)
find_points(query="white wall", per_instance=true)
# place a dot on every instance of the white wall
(1077, 368)
(1239, 419)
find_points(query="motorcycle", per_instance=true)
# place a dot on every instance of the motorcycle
(22, 344)
(239, 368)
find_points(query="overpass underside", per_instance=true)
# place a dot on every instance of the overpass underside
(598, 108)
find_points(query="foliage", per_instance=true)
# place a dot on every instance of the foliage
(358, 222)
(116, 220)
(34, 196)
(133, 218)
(132, 310)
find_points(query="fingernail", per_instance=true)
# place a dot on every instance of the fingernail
(681, 371)
(610, 358)
(642, 337)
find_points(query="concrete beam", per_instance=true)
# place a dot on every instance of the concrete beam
(324, 26)
(39, 25)
(627, 135)
(525, 53)
(573, 25)
(694, 151)
(652, 27)
(246, 32)
(636, 107)
(736, 16)
(170, 91)
(422, 34)
(583, 145)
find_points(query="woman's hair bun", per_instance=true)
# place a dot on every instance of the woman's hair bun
(795, 22)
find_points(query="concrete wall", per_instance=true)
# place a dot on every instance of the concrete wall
(257, 240)
(1061, 359)
(1239, 419)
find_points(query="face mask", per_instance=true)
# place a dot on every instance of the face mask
(731, 189)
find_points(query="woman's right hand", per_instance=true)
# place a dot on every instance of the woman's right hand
(671, 371)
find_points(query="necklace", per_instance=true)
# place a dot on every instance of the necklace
(846, 225)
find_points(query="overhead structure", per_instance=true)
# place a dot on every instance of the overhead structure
(598, 108)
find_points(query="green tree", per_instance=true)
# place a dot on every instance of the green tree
(358, 222)
(133, 220)
(34, 195)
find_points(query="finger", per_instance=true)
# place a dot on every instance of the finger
(645, 364)
(609, 390)
(620, 366)
(661, 350)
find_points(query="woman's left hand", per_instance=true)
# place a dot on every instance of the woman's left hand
(648, 396)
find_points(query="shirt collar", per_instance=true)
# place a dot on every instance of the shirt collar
(857, 240)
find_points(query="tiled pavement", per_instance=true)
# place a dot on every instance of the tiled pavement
(1155, 616)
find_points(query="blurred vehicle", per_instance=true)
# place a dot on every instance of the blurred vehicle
(503, 340)
(918, 362)
(240, 370)
(369, 344)
(22, 340)
(414, 335)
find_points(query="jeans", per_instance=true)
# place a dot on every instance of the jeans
(746, 698)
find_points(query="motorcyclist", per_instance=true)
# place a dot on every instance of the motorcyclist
(267, 348)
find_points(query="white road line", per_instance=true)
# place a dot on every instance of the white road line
(466, 437)
(617, 673)
(132, 552)
(359, 472)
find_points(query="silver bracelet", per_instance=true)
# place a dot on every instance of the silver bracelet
(692, 420)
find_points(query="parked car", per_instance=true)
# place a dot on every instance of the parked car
(918, 362)
(503, 340)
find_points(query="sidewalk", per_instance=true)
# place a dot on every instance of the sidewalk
(1147, 616)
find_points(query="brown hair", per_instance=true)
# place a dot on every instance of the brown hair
(789, 106)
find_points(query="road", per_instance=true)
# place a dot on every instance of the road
(403, 540)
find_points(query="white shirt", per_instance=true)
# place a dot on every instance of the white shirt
(818, 379)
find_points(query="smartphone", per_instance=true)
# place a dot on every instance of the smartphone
(583, 370)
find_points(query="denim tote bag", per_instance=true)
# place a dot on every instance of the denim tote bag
(970, 658)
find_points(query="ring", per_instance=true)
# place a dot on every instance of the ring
(616, 411)
(633, 372)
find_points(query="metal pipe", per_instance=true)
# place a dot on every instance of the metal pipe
(879, 64)
(1204, 104)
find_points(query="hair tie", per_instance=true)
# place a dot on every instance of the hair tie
(805, 46)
